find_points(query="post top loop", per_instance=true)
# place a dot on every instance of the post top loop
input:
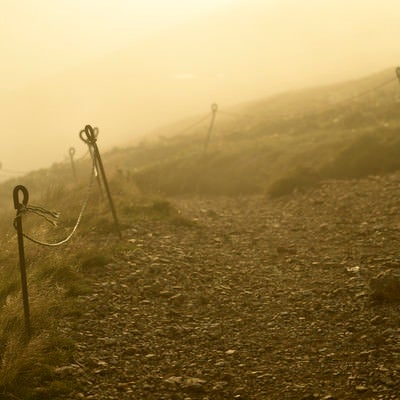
(91, 134)
(72, 151)
(16, 197)
(81, 135)
(214, 107)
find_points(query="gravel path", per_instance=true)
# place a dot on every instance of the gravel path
(258, 299)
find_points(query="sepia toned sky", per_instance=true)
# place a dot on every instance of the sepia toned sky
(40, 37)
(129, 66)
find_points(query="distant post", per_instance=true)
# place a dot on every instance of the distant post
(214, 109)
(72, 152)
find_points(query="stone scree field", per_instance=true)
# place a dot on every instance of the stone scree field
(257, 299)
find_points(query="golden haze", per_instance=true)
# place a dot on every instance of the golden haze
(141, 79)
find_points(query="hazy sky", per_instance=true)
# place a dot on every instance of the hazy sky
(129, 66)
(39, 37)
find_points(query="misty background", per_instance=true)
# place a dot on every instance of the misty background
(130, 67)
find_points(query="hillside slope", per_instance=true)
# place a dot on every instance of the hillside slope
(292, 140)
(275, 145)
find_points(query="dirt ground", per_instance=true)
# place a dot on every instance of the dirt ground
(258, 299)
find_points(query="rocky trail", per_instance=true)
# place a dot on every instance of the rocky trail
(257, 299)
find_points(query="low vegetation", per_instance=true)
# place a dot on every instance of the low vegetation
(286, 143)
(31, 368)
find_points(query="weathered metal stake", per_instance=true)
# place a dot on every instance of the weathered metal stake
(91, 140)
(24, 285)
(214, 109)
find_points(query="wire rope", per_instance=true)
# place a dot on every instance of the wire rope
(52, 217)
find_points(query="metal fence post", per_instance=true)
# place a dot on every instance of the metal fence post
(214, 109)
(94, 159)
(18, 205)
(91, 140)
(72, 152)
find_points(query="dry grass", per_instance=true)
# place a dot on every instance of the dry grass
(28, 365)
(56, 276)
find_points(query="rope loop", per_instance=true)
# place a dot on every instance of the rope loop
(49, 216)
(91, 135)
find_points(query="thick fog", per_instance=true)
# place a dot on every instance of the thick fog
(133, 66)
